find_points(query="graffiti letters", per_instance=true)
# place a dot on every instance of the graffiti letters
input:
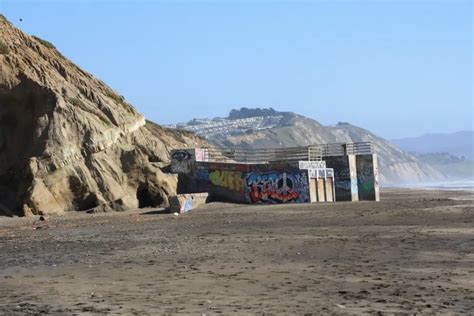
(312, 164)
(365, 176)
(202, 175)
(228, 179)
(343, 185)
(277, 187)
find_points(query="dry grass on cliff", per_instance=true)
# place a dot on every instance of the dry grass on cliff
(44, 42)
(3, 48)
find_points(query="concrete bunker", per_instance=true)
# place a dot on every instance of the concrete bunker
(320, 173)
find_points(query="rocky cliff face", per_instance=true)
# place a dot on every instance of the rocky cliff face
(396, 166)
(69, 142)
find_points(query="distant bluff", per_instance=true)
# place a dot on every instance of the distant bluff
(271, 128)
(69, 142)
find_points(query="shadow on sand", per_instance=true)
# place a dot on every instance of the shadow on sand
(157, 211)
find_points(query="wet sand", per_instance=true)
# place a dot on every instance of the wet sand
(411, 253)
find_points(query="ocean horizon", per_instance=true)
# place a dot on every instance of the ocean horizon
(464, 184)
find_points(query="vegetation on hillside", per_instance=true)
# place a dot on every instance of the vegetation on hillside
(76, 102)
(119, 100)
(44, 42)
(3, 48)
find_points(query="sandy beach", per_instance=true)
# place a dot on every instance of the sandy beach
(413, 252)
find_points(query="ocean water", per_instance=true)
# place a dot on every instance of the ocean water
(465, 185)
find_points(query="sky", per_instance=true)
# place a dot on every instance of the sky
(398, 68)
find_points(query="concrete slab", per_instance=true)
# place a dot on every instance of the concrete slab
(183, 203)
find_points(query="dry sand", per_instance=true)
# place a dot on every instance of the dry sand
(413, 252)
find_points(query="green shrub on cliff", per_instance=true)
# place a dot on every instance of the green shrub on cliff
(3, 48)
(76, 102)
(44, 42)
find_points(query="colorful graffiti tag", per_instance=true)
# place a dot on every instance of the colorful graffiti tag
(231, 180)
(202, 174)
(343, 179)
(278, 187)
(187, 205)
(366, 177)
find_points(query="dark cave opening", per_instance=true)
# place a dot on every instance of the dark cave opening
(146, 198)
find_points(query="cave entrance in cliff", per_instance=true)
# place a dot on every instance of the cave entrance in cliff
(147, 198)
(144, 197)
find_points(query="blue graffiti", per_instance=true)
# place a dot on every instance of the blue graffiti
(202, 174)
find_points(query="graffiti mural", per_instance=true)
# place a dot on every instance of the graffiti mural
(278, 187)
(186, 206)
(252, 183)
(366, 177)
(202, 175)
(343, 185)
(231, 180)
(180, 155)
(182, 160)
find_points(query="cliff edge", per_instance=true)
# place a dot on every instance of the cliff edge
(69, 142)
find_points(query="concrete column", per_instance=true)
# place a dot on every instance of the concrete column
(321, 190)
(353, 173)
(329, 189)
(313, 196)
(376, 176)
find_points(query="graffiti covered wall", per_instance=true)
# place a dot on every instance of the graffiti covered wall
(278, 187)
(244, 183)
(367, 177)
(345, 182)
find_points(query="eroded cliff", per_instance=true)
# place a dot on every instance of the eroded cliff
(69, 142)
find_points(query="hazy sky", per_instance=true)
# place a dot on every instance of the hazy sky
(398, 68)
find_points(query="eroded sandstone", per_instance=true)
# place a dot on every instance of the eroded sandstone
(69, 142)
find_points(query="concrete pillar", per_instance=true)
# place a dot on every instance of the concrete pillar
(313, 196)
(353, 171)
(376, 177)
(329, 190)
(321, 190)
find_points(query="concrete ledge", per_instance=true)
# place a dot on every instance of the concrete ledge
(183, 203)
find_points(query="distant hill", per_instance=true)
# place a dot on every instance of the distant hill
(248, 113)
(460, 144)
(267, 128)
(452, 166)
(452, 154)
